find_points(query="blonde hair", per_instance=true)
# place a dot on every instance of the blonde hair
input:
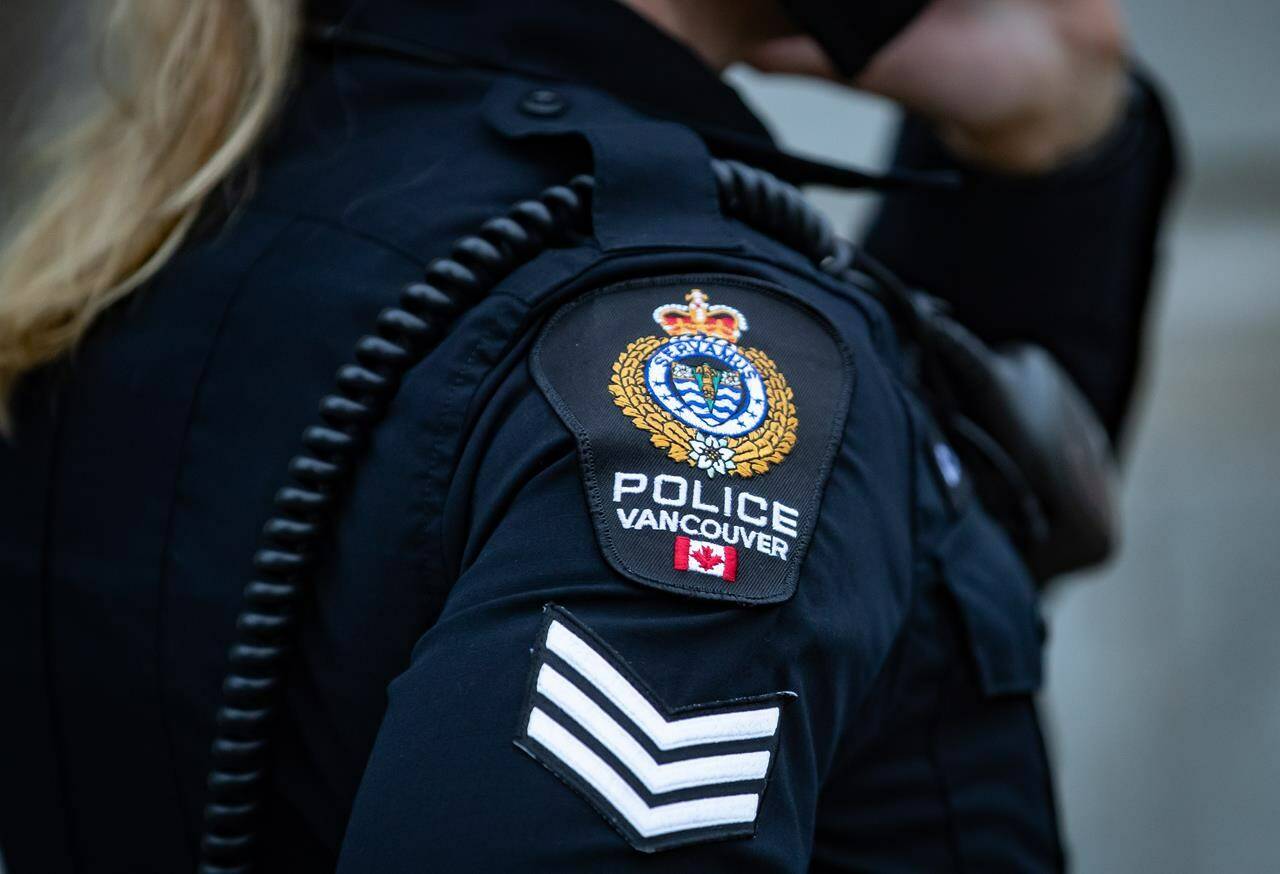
(200, 80)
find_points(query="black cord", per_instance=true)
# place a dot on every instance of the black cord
(306, 507)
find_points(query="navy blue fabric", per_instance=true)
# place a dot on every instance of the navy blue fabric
(143, 467)
(627, 212)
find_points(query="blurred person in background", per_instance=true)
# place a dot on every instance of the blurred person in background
(657, 547)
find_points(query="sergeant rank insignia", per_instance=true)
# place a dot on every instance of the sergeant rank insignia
(705, 442)
(703, 399)
(662, 776)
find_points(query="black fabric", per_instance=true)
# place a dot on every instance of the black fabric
(1065, 261)
(651, 476)
(947, 734)
(607, 45)
(626, 153)
(997, 599)
(852, 32)
(33, 802)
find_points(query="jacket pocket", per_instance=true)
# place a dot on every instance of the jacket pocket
(987, 743)
(997, 603)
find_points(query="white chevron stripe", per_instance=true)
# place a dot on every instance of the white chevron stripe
(703, 771)
(709, 728)
(647, 821)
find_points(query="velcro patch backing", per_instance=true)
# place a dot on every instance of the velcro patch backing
(707, 410)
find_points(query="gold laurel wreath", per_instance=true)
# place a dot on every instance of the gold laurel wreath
(752, 453)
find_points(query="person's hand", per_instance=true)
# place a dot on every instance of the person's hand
(1020, 86)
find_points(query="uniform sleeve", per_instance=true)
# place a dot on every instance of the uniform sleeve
(1063, 260)
(559, 717)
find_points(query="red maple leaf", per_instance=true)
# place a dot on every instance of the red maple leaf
(706, 557)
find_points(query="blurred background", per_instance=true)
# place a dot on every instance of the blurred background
(1163, 691)
(1163, 684)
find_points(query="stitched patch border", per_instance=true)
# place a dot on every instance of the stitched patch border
(770, 507)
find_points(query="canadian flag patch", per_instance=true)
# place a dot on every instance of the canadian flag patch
(704, 557)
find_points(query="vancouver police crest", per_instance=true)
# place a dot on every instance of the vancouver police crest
(706, 401)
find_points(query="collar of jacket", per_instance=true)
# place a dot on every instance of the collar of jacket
(601, 43)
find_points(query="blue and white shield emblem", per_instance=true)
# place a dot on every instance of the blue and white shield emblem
(708, 384)
(709, 403)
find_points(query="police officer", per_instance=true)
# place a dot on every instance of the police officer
(625, 537)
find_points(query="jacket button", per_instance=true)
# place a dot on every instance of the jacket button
(543, 103)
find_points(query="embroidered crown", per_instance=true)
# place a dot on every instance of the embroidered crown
(697, 317)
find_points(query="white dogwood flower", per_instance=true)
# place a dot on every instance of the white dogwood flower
(711, 454)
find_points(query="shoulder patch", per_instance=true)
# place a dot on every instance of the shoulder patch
(707, 411)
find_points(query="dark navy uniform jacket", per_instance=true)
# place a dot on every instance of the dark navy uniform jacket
(547, 637)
